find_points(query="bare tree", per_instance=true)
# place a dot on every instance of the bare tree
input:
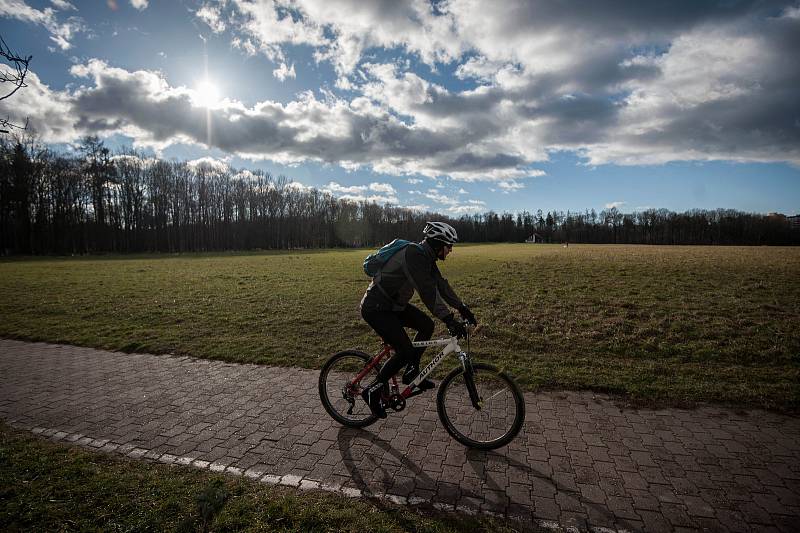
(13, 72)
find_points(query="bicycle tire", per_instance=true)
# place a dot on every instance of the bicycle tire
(519, 406)
(324, 393)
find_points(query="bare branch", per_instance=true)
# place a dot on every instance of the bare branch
(6, 123)
(16, 74)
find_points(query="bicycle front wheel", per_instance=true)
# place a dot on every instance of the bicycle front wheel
(486, 420)
(340, 392)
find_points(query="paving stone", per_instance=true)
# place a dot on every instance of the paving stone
(580, 461)
(676, 514)
(655, 522)
(545, 508)
(592, 493)
(564, 482)
(569, 501)
(697, 507)
(613, 487)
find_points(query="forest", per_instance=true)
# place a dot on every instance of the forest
(91, 201)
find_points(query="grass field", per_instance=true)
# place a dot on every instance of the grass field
(670, 325)
(54, 487)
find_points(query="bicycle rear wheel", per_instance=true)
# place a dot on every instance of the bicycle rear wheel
(500, 413)
(340, 395)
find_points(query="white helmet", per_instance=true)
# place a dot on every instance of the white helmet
(441, 232)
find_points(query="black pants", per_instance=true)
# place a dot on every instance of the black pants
(389, 325)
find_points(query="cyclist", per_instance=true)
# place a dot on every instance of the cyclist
(386, 309)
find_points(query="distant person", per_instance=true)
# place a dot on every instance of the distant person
(386, 309)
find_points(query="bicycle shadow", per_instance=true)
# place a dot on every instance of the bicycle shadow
(346, 439)
(479, 459)
(382, 477)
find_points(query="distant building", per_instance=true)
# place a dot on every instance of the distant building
(534, 238)
(794, 222)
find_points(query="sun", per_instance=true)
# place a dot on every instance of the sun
(206, 94)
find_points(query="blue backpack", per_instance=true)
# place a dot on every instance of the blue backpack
(374, 262)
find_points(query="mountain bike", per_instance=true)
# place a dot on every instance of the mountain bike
(479, 405)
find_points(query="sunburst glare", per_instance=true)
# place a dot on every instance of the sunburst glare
(206, 94)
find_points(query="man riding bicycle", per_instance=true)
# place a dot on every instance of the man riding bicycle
(386, 308)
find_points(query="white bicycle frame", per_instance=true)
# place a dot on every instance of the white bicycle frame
(450, 346)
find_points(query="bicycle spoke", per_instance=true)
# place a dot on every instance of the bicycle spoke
(492, 396)
(340, 395)
(497, 420)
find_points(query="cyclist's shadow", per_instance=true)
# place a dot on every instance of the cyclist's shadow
(385, 481)
(382, 476)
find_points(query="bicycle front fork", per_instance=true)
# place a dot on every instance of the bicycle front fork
(469, 380)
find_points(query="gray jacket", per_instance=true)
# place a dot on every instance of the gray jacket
(412, 268)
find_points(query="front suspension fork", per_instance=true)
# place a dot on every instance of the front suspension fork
(469, 381)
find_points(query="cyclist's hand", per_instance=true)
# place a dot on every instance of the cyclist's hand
(467, 315)
(455, 327)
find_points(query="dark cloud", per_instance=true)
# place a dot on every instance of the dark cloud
(628, 20)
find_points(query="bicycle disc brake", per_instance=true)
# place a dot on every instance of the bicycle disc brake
(396, 402)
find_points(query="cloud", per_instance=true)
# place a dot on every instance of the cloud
(792, 12)
(245, 175)
(628, 83)
(141, 104)
(413, 181)
(453, 204)
(380, 193)
(270, 26)
(382, 187)
(132, 159)
(372, 198)
(141, 5)
(615, 205)
(61, 33)
(723, 93)
(209, 164)
(246, 45)
(296, 185)
(212, 16)
(471, 206)
(336, 189)
(49, 111)
(436, 196)
(63, 5)
(284, 72)
(485, 70)
(342, 31)
(510, 186)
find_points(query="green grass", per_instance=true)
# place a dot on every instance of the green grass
(46, 486)
(671, 325)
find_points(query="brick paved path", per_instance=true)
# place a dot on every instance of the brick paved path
(579, 461)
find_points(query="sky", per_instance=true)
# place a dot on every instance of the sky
(454, 106)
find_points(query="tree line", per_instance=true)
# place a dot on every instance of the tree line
(96, 201)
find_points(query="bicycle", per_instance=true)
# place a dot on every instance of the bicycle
(479, 405)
